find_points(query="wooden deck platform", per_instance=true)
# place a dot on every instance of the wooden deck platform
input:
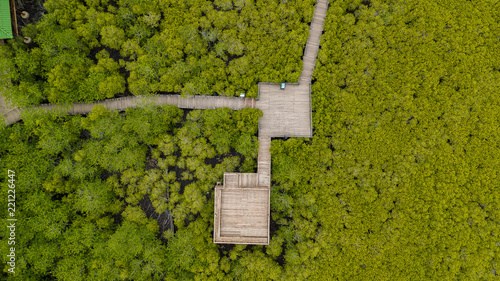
(241, 214)
(242, 203)
(287, 113)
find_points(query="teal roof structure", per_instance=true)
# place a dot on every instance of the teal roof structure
(5, 20)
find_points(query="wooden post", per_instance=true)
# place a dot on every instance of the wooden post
(14, 18)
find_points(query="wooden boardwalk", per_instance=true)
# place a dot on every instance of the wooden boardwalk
(5, 107)
(241, 206)
(312, 46)
(8, 112)
(242, 203)
(287, 113)
(264, 162)
(194, 102)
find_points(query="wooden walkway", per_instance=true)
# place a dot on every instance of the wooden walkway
(241, 206)
(5, 107)
(5, 110)
(312, 46)
(264, 162)
(242, 203)
(194, 102)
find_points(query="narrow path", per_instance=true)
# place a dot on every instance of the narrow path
(312, 46)
(264, 161)
(193, 102)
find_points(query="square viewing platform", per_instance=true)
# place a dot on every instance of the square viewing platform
(241, 214)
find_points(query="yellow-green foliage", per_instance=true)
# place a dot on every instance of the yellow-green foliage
(407, 103)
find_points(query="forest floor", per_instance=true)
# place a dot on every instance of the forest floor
(35, 9)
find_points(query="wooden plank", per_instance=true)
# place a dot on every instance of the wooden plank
(244, 218)
(231, 180)
(14, 18)
(254, 232)
(243, 240)
(230, 212)
(248, 180)
(239, 221)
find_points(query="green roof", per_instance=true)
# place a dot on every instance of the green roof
(5, 20)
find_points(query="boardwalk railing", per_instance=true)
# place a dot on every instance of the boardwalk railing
(310, 109)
